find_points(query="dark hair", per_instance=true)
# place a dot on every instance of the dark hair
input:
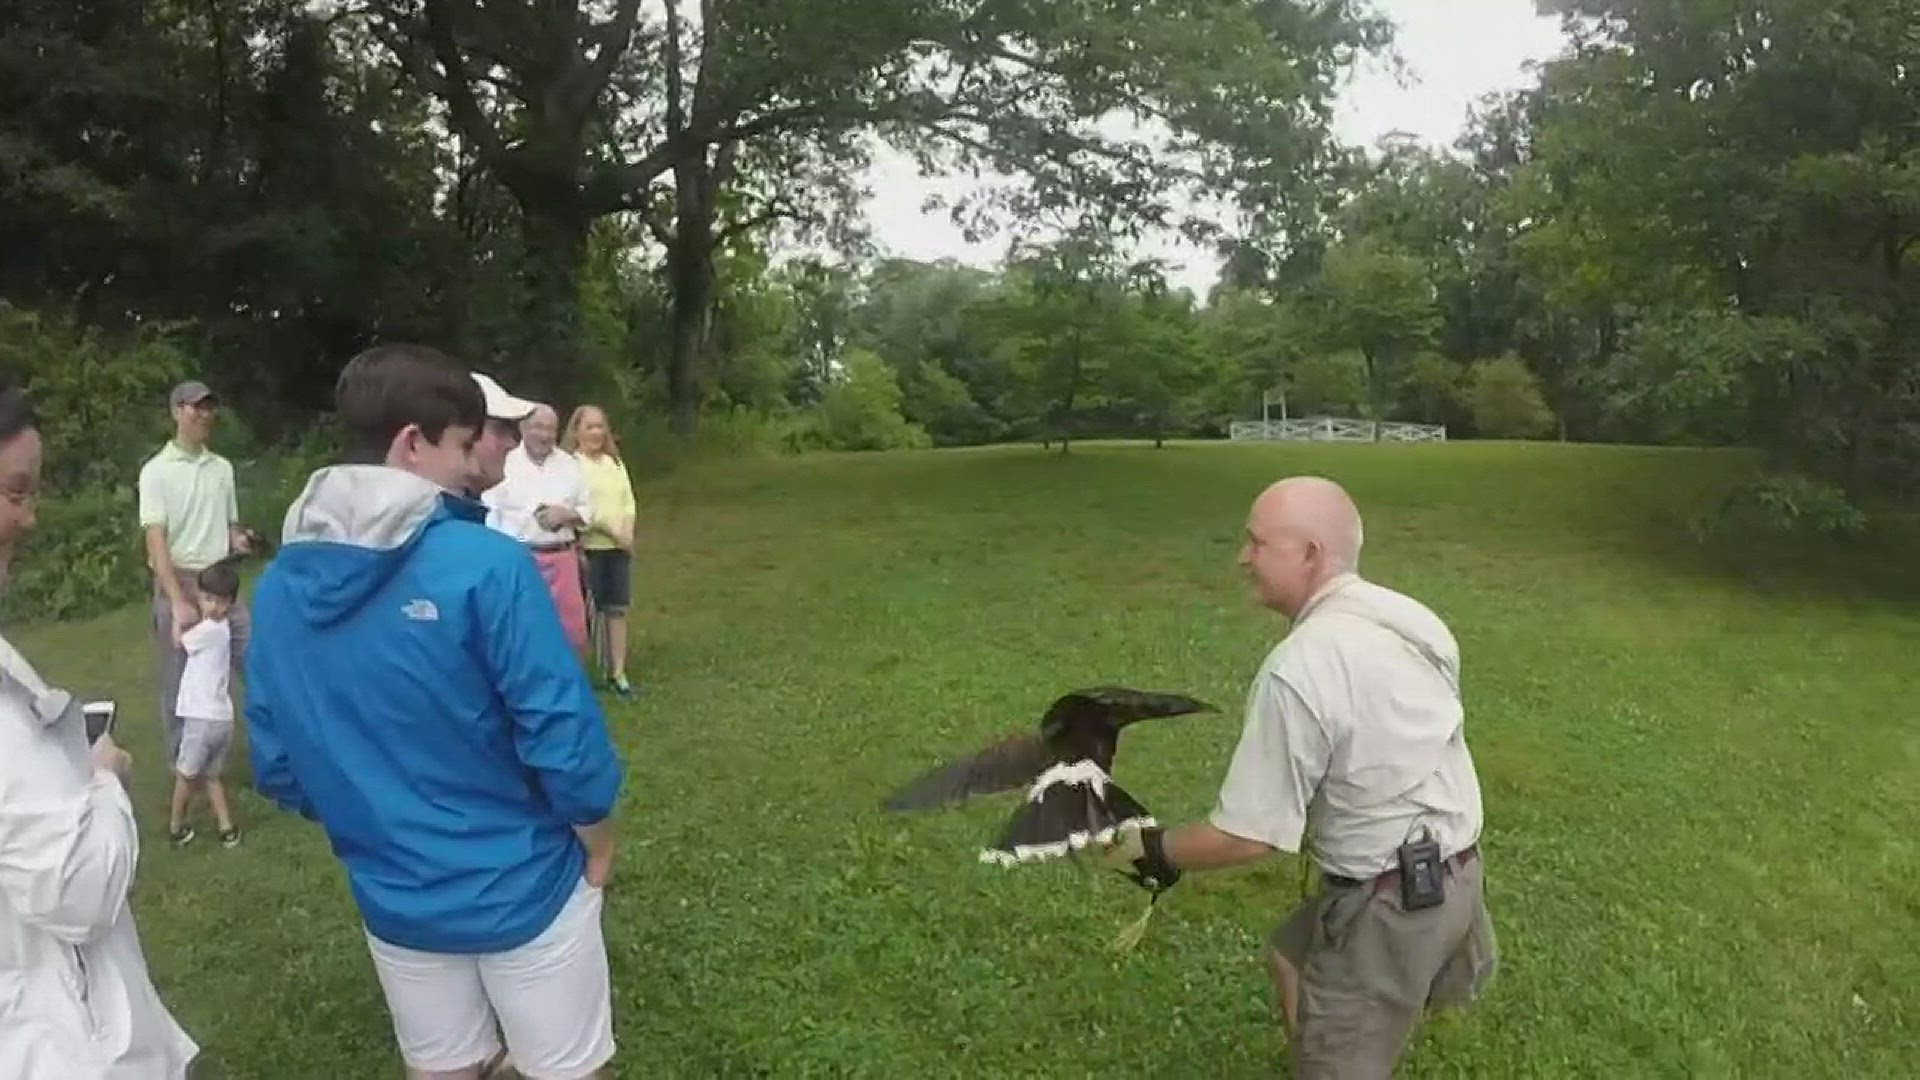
(16, 414)
(221, 580)
(388, 387)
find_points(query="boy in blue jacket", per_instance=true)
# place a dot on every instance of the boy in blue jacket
(410, 688)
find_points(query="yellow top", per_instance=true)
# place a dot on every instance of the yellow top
(611, 495)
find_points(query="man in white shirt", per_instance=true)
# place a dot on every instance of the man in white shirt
(543, 503)
(1353, 743)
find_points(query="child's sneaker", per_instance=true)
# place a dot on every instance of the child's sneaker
(230, 837)
(181, 835)
(621, 686)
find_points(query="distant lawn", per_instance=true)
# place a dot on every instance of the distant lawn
(1701, 786)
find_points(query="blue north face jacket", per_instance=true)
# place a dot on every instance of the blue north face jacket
(410, 688)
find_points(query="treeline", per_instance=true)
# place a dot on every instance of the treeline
(1697, 227)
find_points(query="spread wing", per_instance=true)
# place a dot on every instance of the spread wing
(1117, 706)
(1008, 764)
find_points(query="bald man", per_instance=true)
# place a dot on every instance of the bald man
(542, 501)
(1356, 717)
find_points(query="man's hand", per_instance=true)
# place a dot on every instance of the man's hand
(556, 517)
(184, 616)
(598, 839)
(108, 755)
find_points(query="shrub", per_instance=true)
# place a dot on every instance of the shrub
(101, 397)
(1786, 506)
(1506, 401)
(861, 410)
(85, 557)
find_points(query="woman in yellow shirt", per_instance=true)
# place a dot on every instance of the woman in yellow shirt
(609, 540)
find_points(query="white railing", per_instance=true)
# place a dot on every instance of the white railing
(1334, 429)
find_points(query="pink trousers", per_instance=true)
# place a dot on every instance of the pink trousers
(561, 569)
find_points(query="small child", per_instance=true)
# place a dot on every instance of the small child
(205, 706)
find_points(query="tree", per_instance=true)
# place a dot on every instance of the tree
(1747, 172)
(1159, 370)
(578, 110)
(1377, 301)
(1255, 342)
(1065, 322)
(1434, 389)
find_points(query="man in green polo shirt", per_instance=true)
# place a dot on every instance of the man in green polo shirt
(190, 515)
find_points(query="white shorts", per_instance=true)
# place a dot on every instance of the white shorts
(553, 997)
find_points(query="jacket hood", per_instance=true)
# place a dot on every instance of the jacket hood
(1406, 618)
(350, 530)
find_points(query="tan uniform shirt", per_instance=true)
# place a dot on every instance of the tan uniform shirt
(1354, 729)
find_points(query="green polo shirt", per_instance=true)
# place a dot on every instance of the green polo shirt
(191, 493)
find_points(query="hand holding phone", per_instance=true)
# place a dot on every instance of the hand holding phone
(100, 716)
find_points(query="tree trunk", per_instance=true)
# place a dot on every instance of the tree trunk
(691, 274)
(1374, 393)
(556, 242)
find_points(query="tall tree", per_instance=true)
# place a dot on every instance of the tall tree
(1746, 173)
(1378, 301)
(578, 109)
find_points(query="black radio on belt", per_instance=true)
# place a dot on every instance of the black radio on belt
(1422, 881)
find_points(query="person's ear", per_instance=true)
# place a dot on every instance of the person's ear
(406, 445)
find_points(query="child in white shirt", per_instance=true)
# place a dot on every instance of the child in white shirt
(205, 706)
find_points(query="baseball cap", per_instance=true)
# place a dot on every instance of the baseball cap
(500, 404)
(191, 392)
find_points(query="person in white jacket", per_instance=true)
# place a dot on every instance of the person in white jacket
(76, 1002)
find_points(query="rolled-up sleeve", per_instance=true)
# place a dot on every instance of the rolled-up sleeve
(1276, 768)
(558, 727)
(68, 843)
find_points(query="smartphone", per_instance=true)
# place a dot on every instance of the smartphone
(99, 716)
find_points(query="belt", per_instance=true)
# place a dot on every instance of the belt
(554, 545)
(1391, 879)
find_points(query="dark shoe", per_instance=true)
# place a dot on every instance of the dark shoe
(230, 837)
(181, 835)
(621, 686)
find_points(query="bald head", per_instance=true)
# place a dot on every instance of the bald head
(1317, 509)
(539, 430)
(1301, 533)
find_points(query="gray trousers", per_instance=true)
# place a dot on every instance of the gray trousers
(170, 659)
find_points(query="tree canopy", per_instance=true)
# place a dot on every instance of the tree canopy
(1697, 225)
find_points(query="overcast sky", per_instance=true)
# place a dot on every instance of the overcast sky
(1456, 50)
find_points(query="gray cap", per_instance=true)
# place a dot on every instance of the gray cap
(191, 392)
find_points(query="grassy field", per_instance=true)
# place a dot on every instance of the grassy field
(1700, 784)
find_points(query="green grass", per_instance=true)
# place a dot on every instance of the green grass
(1700, 784)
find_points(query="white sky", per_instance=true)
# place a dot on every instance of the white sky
(1455, 50)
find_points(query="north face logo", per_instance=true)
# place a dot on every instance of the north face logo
(421, 611)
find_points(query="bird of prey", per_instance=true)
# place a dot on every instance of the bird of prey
(1066, 768)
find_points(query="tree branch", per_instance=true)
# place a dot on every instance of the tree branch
(458, 87)
(613, 40)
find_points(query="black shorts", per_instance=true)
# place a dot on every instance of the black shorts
(610, 579)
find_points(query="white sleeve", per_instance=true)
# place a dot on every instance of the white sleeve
(199, 636)
(1282, 756)
(504, 510)
(68, 845)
